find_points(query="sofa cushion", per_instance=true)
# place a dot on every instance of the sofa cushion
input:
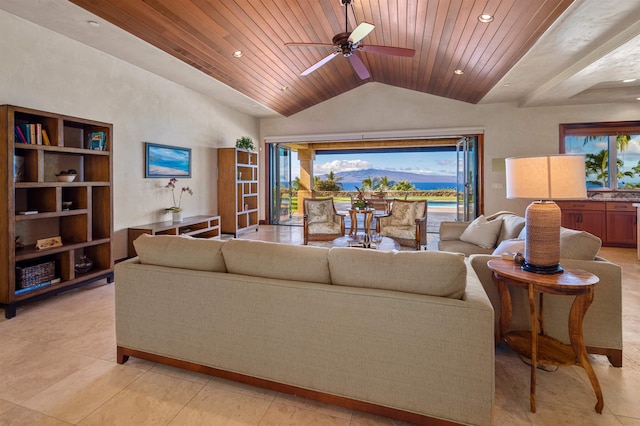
(482, 232)
(180, 252)
(511, 226)
(279, 261)
(432, 273)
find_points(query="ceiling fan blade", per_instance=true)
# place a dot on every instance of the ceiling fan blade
(360, 32)
(308, 44)
(359, 67)
(318, 64)
(388, 50)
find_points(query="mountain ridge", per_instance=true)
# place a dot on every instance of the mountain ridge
(392, 175)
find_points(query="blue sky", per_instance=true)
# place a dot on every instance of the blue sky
(429, 163)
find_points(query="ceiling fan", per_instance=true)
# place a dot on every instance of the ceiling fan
(347, 43)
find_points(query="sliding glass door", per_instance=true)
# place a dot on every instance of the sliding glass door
(466, 178)
(280, 183)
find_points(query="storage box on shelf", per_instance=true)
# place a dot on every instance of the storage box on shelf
(238, 190)
(195, 226)
(39, 206)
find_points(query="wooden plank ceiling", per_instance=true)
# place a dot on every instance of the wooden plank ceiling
(446, 35)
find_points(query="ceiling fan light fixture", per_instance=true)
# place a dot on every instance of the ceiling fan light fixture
(238, 54)
(485, 18)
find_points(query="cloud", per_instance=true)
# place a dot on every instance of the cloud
(340, 166)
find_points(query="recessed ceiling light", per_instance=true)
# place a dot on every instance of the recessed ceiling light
(93, 23)
(458, 72)
(238, 54)
(485, 18)
(284, 88)
(629, 80)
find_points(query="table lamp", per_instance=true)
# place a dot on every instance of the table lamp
(547, 178)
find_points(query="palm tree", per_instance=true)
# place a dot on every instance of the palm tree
(370, 184)
(384, 184)
(598, 164)
(296, 185)
(622, 141)
(403, 185)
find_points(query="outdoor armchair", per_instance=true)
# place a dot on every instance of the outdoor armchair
(321, 221)
(406, 223)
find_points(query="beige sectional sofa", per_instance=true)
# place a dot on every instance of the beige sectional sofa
(401, 334)
(602, 326)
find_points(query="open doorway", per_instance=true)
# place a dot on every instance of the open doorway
(443, 170)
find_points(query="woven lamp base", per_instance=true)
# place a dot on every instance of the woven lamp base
(542, 240)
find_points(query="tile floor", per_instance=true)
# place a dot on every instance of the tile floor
(57, 367)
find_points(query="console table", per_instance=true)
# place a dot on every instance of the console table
(535, 344)
(195, 226)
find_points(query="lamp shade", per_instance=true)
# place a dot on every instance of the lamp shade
(551, 177)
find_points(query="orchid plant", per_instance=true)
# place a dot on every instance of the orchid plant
(172, 186)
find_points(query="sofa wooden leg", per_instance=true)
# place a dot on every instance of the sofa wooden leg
(121, 358)
(614, 355)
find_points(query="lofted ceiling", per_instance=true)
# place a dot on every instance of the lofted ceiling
(534, 53)
(445, 34)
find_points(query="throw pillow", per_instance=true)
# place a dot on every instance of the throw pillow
(482, 232)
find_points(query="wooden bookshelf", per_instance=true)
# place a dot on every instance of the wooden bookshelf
(195, 226)
(237, 190)
(38, 206)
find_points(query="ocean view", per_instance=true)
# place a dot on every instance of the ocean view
(420, 186)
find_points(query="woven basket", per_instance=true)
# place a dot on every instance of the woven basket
(27, 276)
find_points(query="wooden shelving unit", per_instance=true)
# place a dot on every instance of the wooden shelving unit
(237, 190)
(195, 226)
(29, 173)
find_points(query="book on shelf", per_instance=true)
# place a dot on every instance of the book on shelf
(97, 141)
(18, 168)
(19, 135)
(37, 286)
(25, 212)
(45, 137)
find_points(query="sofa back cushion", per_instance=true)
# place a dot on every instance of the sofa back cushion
(274, 260)
(511, 226)
(432, 273)
(578, 244)
(180, 252)
(574, 244)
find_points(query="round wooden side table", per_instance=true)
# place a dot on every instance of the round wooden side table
(536, 344)
(353, 215)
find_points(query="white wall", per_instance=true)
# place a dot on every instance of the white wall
(43, 70)
(509, 131)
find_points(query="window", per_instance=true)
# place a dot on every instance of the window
(611, 150)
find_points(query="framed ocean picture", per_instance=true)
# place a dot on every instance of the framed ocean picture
(162, 161)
